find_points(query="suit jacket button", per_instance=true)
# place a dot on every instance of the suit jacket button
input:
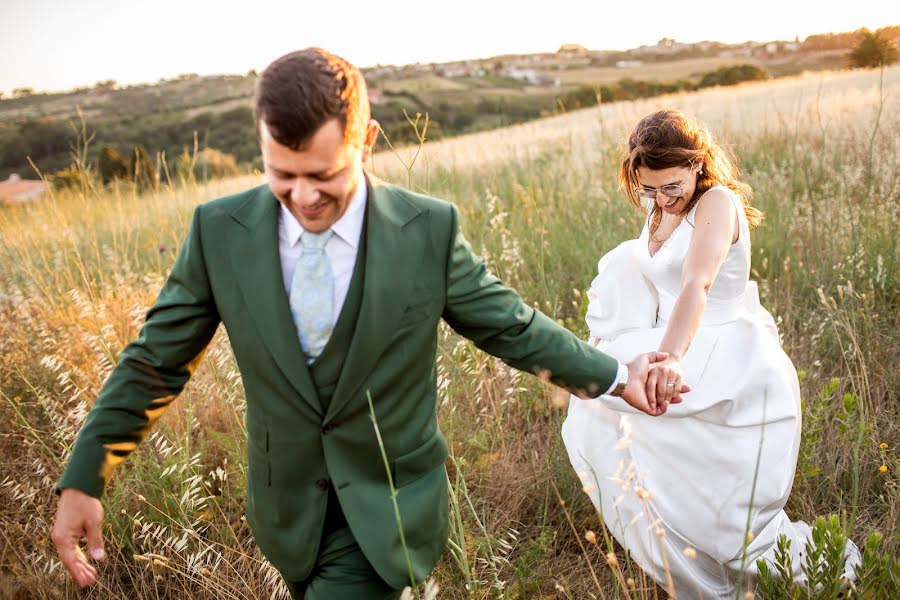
(322, 484)
(327, 428)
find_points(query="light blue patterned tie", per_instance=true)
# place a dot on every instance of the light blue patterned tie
(312, 294)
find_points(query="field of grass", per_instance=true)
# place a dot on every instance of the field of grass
(692, 68)
(539, 200)
(422, 83)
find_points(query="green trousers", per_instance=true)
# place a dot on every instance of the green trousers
(342, 571)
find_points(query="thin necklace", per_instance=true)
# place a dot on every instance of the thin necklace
(662, 240)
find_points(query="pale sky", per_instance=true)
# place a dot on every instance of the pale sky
(60, 44)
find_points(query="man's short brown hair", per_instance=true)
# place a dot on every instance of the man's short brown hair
(301, 91)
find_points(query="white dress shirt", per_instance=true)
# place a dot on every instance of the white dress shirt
(341, 248)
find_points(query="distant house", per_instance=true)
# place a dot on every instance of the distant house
(530, 76)
(573, 51)
(739, 51)
(461, 69)
(376, 96)
(381, 72)
(663, 47)
(16, 189)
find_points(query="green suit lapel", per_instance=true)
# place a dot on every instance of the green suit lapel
(257, 263)
(396, 232)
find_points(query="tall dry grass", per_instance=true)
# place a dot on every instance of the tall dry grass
(540, 202)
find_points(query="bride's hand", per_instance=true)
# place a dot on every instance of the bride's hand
(635, 393)
(663, 380)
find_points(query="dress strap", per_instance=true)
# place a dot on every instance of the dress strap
(743, 224)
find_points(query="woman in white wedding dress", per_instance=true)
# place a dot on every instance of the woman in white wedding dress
(695, 495)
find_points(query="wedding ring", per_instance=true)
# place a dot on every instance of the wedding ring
(670, 385)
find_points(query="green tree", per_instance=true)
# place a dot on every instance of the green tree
(65, 178)
(831, 41)
(873, 50)
(46, 142)
(213, 164)
(142, 171)
(111, 164)
(580, 97)
(733, 74)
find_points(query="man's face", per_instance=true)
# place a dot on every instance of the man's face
(317, 182)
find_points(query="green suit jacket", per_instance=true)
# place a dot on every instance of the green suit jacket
(419, 269)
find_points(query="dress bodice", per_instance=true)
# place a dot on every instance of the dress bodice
(664, 269)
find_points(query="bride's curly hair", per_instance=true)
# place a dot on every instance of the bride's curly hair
(669, 138)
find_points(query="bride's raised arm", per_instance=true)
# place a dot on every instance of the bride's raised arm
(715, 228)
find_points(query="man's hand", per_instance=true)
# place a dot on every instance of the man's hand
(635, 393)
(79, 515)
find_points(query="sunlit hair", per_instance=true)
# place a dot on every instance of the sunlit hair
(301, 91)
(669, 138)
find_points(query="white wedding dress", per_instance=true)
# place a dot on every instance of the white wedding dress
(682, 491)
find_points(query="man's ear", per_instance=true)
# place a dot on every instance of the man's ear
(372, 129)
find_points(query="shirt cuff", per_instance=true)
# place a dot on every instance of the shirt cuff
(621, 375)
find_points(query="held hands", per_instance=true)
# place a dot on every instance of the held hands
(663, 379)
(79, 515)
(660, 366)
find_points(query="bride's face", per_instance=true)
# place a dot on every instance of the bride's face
(670, 188)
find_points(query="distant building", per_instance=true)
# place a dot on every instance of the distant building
(461, 69)
(665, 46)
(530, 76)
(381, 72)
(16, 189)
(628, 64)
(376, 96)
(739, 51)
(573, 50)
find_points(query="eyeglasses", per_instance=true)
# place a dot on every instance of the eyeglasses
(672, 190)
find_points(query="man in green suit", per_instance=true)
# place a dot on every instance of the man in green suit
(330, 284)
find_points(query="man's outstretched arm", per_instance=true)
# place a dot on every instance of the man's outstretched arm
(151, 372)
(479, 307)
